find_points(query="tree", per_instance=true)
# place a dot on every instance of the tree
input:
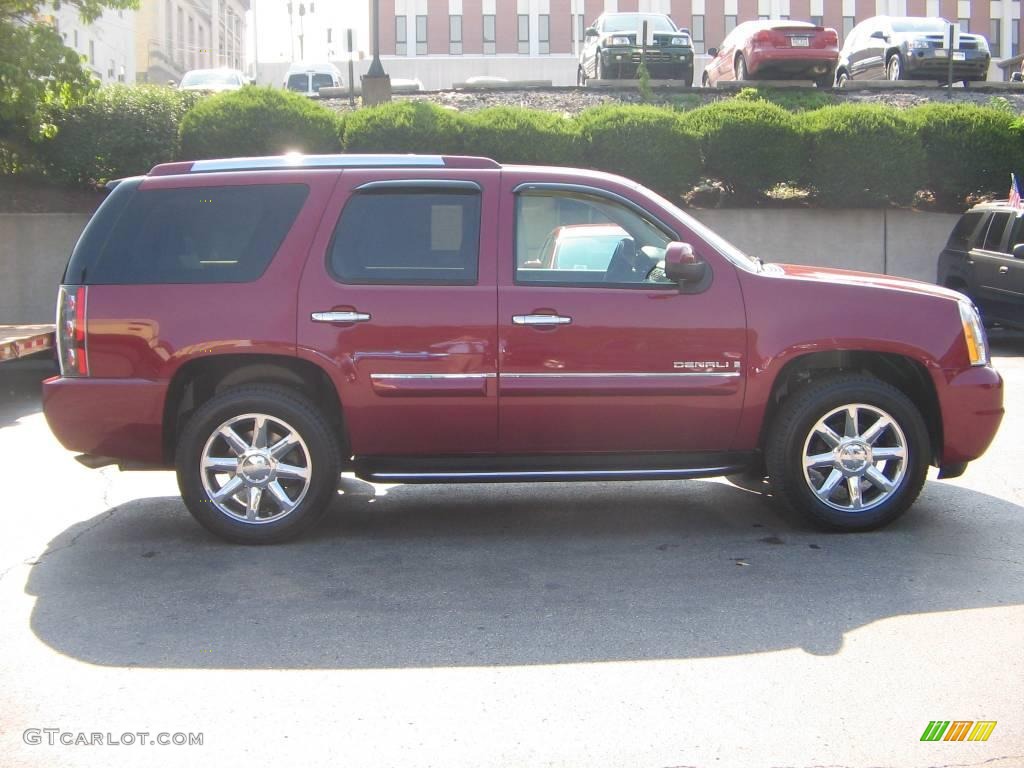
(37, 69)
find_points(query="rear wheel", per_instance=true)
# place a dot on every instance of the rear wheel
(842, 79)
(257, 464)
(705, 81)
(741, 68)
(686, 76)
(848, 453)
(581, 78)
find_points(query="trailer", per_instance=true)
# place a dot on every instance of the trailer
(17, 341)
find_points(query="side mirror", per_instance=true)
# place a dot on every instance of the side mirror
(1018, 251)
(879, 35)
(681, 265)
(712, 52)
(591, 32)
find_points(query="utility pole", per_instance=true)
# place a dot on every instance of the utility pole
(376, 82)
(255, 46)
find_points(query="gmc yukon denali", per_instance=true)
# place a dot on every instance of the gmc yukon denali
(262, 325)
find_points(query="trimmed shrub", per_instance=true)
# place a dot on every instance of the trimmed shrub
(863, 156)
(748, 145)
(516, 135)
(117, 131)
(257, 121)
(402, 127)
(648, 144)
(970, 150)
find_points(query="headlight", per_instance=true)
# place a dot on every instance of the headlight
(974, 333)
(680, 41)
(920, 44)
(982, 44)
(617, 40)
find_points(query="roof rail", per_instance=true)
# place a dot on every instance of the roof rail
(295, 160)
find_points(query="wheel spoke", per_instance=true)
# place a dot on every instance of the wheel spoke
(278, 494)
(851, 429)
(228, 489)
(280, 449)
(853, 487)
(236, 443)
(820, 460)
(830, 484)
(259, 432)
(872, 433)
(826, 433)
(291, 472)
(220, 463)
(880, 481)
(253, 506)
(884, 454)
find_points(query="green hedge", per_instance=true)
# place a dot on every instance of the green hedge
(258, 121)
(118, 131)
(402, 127)
(648, 144)
(516, 135)
(749, 145)
(863, 155)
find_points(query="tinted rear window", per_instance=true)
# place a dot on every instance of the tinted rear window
(960, 238)
(994, 238)
(298, 83)
(425, 236)
(194, 235)
(322, 81)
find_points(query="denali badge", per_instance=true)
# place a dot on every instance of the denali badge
(706, 365)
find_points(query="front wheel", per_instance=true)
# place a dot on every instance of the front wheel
(894, 67)
(599, 70)
(257, 464)
(848, 453)
(705, 81)
(842, 79)
(581, 78)
(686, 77)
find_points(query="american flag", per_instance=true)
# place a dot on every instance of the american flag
(1015, 200)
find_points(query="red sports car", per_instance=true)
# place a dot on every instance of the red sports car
(783, 50)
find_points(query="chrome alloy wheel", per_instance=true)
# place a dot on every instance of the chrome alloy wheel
(255, 468)
(855, 457)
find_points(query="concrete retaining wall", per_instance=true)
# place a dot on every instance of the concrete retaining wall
(34, 247)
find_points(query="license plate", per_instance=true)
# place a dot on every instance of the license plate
(959, 55)
(799, 42)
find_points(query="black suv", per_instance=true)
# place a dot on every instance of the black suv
(984, 258)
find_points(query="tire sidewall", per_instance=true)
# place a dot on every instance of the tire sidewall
(300, 415)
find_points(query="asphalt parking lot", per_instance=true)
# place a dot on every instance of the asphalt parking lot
(639, 624)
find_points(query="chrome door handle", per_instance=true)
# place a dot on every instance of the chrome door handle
(1003, 270)
(340, 317)
(540, 320)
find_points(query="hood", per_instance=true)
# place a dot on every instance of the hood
(863, 279)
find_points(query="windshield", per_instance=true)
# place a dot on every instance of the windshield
(930, 26)
(321, 80)
(209, 77)
(633, 22)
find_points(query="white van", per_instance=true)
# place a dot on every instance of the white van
(308, 79)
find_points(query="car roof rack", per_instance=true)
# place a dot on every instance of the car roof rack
(294, 161)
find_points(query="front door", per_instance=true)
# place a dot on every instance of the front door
(398, 301)
(599, 353)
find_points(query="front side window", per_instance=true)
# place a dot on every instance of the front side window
(408, 237)
(568, 238)
(198, 234)
(994, 236)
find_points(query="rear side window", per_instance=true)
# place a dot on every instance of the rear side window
(425, 236)
(994, 237)
(194, 235)
(961, 237)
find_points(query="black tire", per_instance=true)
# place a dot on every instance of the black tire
(828, 81)
(894, 67)
(581, 78)
(686, 77)
(740, 69)
(705, 81)
(599, 73)
(283, 407)
(792, 428)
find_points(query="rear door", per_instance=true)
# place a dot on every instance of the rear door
(999, 277)
(398, 302)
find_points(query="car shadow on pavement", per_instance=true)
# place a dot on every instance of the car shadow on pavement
(423, 576)
(1005, 342)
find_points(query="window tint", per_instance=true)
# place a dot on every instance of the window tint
(578, 239)
(1017, 236)
(299, 82)
(408, 237)
(195, 235)
(961, 237)
(322, 80)
(994, 238)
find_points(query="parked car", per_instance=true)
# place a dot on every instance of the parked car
(796, 50)
(909, 48)
(213, 80)
(308, 79)
(613, 47)
(984, 259)
(332, 340)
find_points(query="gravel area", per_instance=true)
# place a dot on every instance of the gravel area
(570, 101)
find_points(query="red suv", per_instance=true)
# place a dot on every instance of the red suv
(264, 324)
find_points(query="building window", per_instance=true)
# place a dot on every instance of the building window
(92, 52)
(191, 43)
(763, 17)
(784, 17)
(1014, 40)
(579, 26)
(818, 21)
(995, 41)
(421, 35)
(76, 39)
(179, 40)
(401, 29)
(965, 25)
(730, 24)
(489, 44)
(455, 34)
(168, 28)
(524, 33)
(110, 69)
(697, 34)
(848, 24)
(544, 33)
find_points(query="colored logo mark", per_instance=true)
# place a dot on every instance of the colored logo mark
(958, 730)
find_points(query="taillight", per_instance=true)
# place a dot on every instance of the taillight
(831, 37)
(764, 37)
(74, 357)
